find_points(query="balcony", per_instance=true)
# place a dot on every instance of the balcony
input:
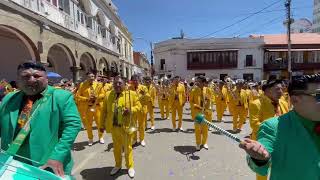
(77, 21)
(198, 66)
(295, 66)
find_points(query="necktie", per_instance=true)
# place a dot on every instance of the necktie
(25, 113)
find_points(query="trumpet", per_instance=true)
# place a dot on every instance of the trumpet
(230, 83)
(94, 106)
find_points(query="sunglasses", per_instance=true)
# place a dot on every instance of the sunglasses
(315, 95)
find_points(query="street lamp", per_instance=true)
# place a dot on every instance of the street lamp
(151, 52)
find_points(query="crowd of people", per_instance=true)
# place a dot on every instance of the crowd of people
(122, 107)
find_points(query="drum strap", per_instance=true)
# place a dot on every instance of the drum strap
(22, 135)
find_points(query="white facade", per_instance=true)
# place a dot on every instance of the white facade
(95, 20)
(174, 53)
(302, 25)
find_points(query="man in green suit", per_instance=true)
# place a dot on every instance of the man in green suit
(44, 118)
(289, 146)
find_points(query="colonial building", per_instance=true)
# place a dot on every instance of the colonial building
(213, 57)
(254, 58)
(305, 54)
(142, 65)
(71, 37)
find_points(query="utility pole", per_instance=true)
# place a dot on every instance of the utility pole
(151, 59)
(289, 21)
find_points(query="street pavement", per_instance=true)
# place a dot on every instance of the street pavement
(167, 155)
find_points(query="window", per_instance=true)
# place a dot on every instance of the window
(248, 77)
(54, 2)
(195, 58)
(64, 6)
(249, 60)
(162, 64)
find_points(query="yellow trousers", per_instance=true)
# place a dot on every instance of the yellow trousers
(239, 116)
(176, 107)
(220, 108)
(122, 140)
(164, 108)
(82, 108)
(151, 114)
(93, 116)
(142, 118)
(230, 108)
(201, 130)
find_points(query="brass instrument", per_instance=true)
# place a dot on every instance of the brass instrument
(230, 83)
(93, 107)
(132, 124)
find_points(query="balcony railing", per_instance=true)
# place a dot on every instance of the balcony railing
(79, 22)
(295, 66)
(198, 66)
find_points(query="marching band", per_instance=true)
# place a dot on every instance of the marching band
(122, 107)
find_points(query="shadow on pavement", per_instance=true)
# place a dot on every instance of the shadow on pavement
(188, 151)
(188, 120)
(109, 147)
(228, 122)
(163, 130)
(216, 132)
(101, 173)
(79, 146)
(188, 131)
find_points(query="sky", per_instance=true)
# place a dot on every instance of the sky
(159, 20)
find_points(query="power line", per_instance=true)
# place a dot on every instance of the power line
(247, 17)
(262, 25)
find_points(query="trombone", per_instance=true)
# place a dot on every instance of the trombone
(132, 124)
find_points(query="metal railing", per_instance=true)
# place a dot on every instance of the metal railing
(90, 28)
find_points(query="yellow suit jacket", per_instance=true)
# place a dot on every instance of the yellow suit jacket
(83, 94)
(127, 99)
(262, 109)
(239, 98)
(152, 91)
(178, 92)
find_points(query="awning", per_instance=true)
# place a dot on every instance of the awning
(284, 50)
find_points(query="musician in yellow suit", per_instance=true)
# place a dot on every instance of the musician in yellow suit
(151, 104)
(265, 107)
(117, 115)
(239, 102)
(220, 99)
(163, 99)
(177, 99)
(201, 102)
(141, 116)
(108, 85)
(90, 96)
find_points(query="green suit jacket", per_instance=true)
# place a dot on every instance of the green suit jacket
(294, 154)
(54, 127)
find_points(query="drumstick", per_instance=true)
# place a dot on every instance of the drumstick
(200, 119)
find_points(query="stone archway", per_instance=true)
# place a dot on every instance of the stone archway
(104, 66)
(15, 48)
(61, 60)
(114, 67)
(87, 64)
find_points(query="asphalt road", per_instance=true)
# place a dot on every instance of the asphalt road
(168, 155)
